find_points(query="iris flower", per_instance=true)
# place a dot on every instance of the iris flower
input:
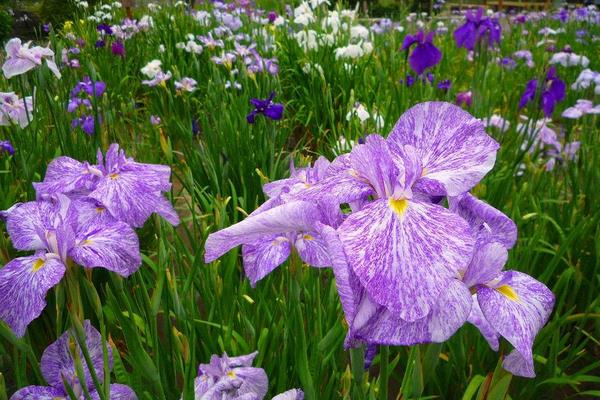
(266, 107)
(15, 110)
(58, 367)
(6, 146)
(425, 54)
(551, 91)
(476, 29)
(129, 190)
(59, 230)
(21, 58)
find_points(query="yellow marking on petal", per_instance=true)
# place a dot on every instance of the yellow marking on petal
(113, 176)
(231, 374)
(424, 172)
(399, 206)
(508, 292)
(87, 242)
(100, 209)
(37, 264)
(307, 237)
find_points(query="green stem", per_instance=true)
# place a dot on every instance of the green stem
(383, 372)
(357, 362)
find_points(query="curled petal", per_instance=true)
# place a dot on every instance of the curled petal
(477, 318)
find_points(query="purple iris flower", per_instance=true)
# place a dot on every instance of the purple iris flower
(91, 88)
(21, 58)
(118, 48)
(46, 28)
(476, 29)
(15, 110)
(99, 44)
(6, 147)
(270, 232)
(551, 91)
(266, 107)
(59, 229)
(104, 29)
(444, 85)
(235, 378)
(59, 370)
(129, 190)
(272, 16)
(425, 55)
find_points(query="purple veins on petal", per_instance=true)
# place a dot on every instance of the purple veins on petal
(294, 394)
(454, 149)
(24, 283)
(262, 256)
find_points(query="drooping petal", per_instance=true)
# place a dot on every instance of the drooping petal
(477, 318)
(466, 35)
(294, 394)
(54, 68)
(17, 66)
(254, 381)
(409, 40)
(39, 393)
(290, 217)
(117, 392)
(66, 175)
(274, 111)
(27, 223)
(57, 361)
(24, 283)
(312, 249)
(114, 246)
(453, 146)
(376, 324)
(424, 56)
(485, 219)
(405, 252)
(517, 307)
(516, 364)
(262, 256)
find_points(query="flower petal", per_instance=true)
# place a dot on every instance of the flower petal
(27, 223)
(312, 249)
(262, 256)
(453, 146)
(290, 217)
(117, 392)
(517, 308)
(485, 219)
(405, 255)
(477, 318)
(24, 283)
(57, 361)
(39, 393)
(487, 263)
(294, 394)
(424, 56)
(17, 66)
(114, 246)
(66, 175)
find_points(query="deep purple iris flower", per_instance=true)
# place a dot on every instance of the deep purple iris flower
(551, 91)
(476, 29)
(266, 107)
(6, 147)
(59, 370)
(444, 85)
(425, 55)
(118, 48)
(91, 88)
(99, 44)
(105, 29)
(83, 106)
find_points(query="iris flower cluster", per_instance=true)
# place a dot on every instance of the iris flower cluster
(408, 269)
(80, 103)
(84, 214)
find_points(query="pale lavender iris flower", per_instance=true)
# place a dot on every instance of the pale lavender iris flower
(21, 58)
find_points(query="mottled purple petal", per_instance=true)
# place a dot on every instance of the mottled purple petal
(373, 162)
(477, 318)
(39, 393)
(262, 256)
(517, 307)
(452, 145)
(294, 394)
(117, 392)
(114, 246)
(487, 263)
(376, 324)
(255, 381)
(290, 217)
(485, 219)
(406, 254)
(57, 361)
(312, 249)
(27, 223)
(65, 175)
(17, 66)
(24, 283)
(465, 36)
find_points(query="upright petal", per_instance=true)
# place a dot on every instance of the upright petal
(290, 217)
(57, 361)
(114, 246)
(405, 253)
(376, 324)
(39, 393)
(487, 263)
(485, 219)
(453, 146)
(262, 256)
(517, 307)
(27, 223)
(24, 283)
(373, 163)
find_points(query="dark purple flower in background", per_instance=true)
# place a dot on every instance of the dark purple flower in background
(444, 85)
(265, 107)
(477, 29)
(272, 16)
(99, 44)
(464, 98)
(410, 80)
(118, 48)
(47, 27)
(91, 88)
(59, 369)
(104, 29)
(425, 54)
(6, 147)
(551, 91)
(562, 15)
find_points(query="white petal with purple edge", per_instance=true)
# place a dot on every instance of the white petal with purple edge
(453, 146)
(405, 253)
(294, 394)
(24, 283)
(517, 307)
